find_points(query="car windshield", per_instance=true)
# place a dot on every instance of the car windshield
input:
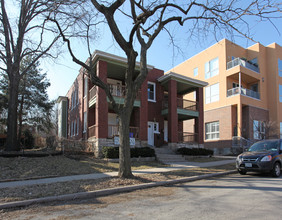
(265, 146)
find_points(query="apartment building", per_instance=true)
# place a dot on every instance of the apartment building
(244, 93)
(159, 109)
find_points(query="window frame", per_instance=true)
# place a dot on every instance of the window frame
(154, 92)
(209, 73)
(258, 130)
(279, 67)
(208, 90)
(196, 71)
(209, 132)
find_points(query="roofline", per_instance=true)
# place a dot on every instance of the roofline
(172, 75)
(99, 53)
(61, 98)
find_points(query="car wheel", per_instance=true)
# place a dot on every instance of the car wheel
(276, 171)
(242, 172)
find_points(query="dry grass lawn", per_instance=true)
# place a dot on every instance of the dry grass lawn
(26, 168)
(18, 168)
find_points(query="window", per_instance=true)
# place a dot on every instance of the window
(196, 71)
(280, 67)
(280, 129)
(156, 127)
(151, 91)
(212, 130)
(77, 126)
(211, 68)
(85, 86)
(71, 129)
(258, 130)
(74, 127)
(212, 93)
(280, 93)
(85, 122)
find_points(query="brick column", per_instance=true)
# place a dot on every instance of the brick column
(101, 110)
(172, 112)
(143, 112)
(199, 122)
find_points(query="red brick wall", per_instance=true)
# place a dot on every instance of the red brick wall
(224, 116)
(251, 113)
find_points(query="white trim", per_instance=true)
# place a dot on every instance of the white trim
(182, 77)
(154, 85)
(98, 53)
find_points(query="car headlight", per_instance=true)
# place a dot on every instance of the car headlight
(239, 159)
(266, 158)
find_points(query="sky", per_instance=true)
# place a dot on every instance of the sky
(161, 55)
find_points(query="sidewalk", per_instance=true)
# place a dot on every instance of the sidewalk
(173, 167)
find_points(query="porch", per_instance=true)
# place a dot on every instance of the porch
(118, 93)
(113, 131)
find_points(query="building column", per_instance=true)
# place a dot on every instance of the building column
(199, 122)
(172, 112)
(239, 120)
(143, 112)
(101, 110)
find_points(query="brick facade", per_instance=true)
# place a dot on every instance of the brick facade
(93, 111)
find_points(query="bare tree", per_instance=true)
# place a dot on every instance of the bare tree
(22, 28)
(144, 22)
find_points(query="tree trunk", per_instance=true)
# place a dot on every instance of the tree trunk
(12, 143)
(20, 116)
(124, 149)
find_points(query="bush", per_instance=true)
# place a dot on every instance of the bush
(113, 152)
(110, 152)
(28, 140)
(51, 142)
(195, 151)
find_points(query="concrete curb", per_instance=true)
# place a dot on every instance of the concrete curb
(106, 192)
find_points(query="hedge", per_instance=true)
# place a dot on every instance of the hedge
(194, 151)
(113, 152)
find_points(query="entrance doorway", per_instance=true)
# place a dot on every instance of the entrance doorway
(151, 133)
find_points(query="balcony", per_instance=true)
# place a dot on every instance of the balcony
(187, 137)
(241, 62)
(117, 91)
(113, 131)
(243, 91)
(186, 109)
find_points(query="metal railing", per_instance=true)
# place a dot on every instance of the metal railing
(182, 104)
(238, 61)
(116, 90)
(187, 137)
(113, 130)
(243, 91)
(92, 92)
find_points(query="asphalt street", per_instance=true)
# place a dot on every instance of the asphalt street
(230, 197)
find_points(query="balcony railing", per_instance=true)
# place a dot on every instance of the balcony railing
(92, 131)
(113, 130)
(243, 91)
(116, 90)
(92, 92)
(238, 61)
(183, 104)
(187, 137)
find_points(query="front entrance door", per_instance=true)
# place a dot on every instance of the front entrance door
(151, 133)
(166, 131)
